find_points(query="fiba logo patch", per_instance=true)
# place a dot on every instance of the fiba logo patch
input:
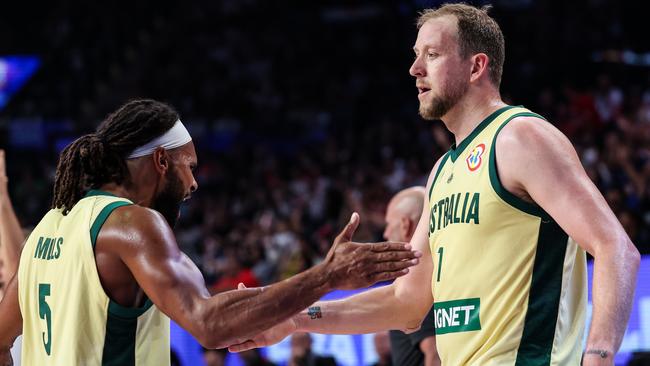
(474, 159)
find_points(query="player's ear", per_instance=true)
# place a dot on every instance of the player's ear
(480, 63)
(404, 227)
(161, 160)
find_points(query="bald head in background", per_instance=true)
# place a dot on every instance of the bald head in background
(403, 214)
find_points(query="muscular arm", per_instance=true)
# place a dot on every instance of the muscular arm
(11, 321)
(537, 162)
(145, 243)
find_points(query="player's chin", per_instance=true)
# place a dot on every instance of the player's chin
(425, 112)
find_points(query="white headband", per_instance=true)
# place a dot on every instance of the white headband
(176, 136)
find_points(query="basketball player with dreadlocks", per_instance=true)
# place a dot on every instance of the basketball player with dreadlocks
(101, 273)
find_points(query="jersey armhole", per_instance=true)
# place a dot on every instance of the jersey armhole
(495, 182)
(114, 308)
(101, 218)
(435, 177)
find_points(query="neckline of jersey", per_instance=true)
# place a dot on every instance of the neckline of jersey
(98, 192)
(454, 152)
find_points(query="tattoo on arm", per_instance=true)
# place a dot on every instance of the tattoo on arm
(314, 312)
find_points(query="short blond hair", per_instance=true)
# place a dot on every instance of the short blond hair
(477, 33)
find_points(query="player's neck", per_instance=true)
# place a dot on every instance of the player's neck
(463, 118)
(129, 192)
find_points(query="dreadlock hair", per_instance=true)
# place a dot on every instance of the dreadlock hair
(99, 158)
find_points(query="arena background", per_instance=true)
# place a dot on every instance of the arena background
(303, 111)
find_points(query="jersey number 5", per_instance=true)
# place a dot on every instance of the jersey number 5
(44, 312)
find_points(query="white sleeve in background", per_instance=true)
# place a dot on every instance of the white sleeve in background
(16, 349)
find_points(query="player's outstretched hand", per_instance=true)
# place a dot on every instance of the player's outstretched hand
(351, 265)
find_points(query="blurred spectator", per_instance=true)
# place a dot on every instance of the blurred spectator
(253, 357)
(214, 357)
(173, 359)
(639, 359)
(232, 273)
(302, 355)
(382, 347)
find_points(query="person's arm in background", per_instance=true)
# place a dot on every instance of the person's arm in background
(537, 161)
(428, 347)
(11, 322)
(11, 234)
(426, 341)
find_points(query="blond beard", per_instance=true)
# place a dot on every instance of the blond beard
(440, 105)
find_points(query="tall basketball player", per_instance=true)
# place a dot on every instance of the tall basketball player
(101, 274)
(508, 217)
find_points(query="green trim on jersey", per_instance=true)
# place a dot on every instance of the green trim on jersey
(121, 327)
(119, 343)
(442, 163)
(510, 198)
(544, 296)
(98, 192)
(101, 218)
(128, 313)
(454, 151)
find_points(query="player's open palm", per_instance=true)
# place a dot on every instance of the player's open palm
(353, 265)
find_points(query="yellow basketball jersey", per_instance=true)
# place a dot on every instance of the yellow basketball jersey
(67, 317)
(509, 285)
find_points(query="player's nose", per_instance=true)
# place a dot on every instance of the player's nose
(417, 69)
(194, 186)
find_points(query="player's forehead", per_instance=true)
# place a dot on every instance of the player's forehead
(440, 33)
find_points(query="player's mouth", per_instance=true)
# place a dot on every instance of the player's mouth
(422, 91)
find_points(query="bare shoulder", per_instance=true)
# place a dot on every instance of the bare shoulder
(532, 135)
(531, 151)
(136, 227)
(532, 146)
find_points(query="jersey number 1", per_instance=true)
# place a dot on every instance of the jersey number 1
(44, 312)
(440, 250)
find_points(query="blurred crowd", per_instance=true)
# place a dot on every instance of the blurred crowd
(304, 112)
